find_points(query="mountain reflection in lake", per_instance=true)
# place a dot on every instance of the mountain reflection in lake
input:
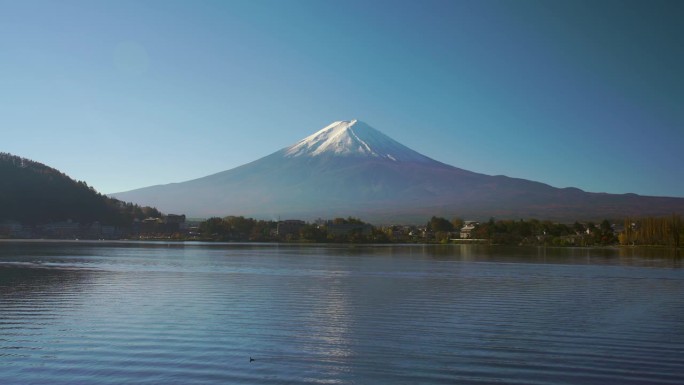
(158, 313)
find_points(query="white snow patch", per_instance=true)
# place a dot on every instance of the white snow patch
(353, 138)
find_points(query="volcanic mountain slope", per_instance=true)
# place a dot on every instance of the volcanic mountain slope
(350, 168)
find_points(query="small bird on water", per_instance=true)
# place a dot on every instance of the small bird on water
(251, 359)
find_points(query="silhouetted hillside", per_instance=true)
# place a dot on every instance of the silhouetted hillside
(33, 193)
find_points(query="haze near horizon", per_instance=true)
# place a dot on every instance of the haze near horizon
(129, 94)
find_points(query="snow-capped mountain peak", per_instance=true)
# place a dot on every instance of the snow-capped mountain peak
(353, 138)
(351, 169)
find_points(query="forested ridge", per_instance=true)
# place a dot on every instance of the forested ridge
(33, 193)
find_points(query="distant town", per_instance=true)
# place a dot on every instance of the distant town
(662, 231)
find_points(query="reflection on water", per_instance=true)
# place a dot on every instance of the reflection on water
(160, 313)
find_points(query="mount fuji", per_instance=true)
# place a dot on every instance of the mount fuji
(351, 169)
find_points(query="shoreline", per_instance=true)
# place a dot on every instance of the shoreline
(161, 241)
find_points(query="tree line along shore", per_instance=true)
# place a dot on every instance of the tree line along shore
(655, 231)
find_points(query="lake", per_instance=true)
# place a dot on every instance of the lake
(192, 313)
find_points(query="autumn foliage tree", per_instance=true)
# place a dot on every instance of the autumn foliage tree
(664, 231)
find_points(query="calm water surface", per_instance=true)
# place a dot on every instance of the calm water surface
(157, 313)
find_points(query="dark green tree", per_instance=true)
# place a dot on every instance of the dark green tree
(439, 224)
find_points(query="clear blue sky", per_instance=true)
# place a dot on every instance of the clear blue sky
(127, 94)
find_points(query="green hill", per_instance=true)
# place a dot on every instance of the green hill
(33, 193)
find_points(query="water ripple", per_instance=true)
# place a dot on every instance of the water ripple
(195, 315)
